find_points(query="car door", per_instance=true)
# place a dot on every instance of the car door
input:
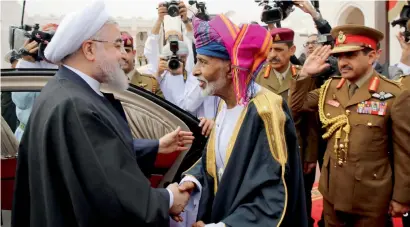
(149, 117)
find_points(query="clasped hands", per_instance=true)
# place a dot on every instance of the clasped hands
(181, 193)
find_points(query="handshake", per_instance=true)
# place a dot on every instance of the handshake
(181, 195)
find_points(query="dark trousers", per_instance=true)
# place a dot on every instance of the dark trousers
(406, 221)
(309, 180)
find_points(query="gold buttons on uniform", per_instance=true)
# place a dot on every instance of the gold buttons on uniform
(328, 114)
(374, 176)
(369, 124)
(347, 112)
(341, 146)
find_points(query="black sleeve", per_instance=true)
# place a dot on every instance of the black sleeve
(106, 168)
(323, 26)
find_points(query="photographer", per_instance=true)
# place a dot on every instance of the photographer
(24, 101)
(152, 44)
(321, 24)
(180, 87)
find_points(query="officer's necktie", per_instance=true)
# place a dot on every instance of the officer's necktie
(352, 90)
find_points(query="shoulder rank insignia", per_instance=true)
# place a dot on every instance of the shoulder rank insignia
(382, 95)
(341, 38)
(140, 84)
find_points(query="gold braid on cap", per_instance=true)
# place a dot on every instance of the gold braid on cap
(339, 123)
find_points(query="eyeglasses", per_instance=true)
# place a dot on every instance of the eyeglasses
(119, 44)
(314, 43)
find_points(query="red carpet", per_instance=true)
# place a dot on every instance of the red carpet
(317, 206)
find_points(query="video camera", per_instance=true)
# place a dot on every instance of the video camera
(172, 7)
(403, 21)
(275, 11)
(174, 61)
(200, 6)
(18, 35)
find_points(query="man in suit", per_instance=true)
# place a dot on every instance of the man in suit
(78, 164)
(367, 127)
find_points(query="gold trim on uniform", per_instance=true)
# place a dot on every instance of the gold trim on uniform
(339, 124)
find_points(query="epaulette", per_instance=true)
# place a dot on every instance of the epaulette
(147, 75)
(397, 83)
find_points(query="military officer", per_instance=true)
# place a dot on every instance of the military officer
(277, 73)
(146, 81)
(367, 127)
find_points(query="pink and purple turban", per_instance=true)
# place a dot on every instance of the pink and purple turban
(246, 47)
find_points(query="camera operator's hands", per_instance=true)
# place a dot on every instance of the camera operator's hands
(162, 66)
(30, 47)
(162, 11)
(183, 11)
(405, 49)
(316, 62)
(306, 7)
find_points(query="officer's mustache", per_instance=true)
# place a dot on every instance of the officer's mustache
(275, 60)
(346, 67)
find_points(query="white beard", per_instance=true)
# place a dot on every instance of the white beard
(112, 73)
(211, 87)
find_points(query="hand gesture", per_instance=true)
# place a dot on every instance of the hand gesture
(199, 224)
(162, 11)
(188, 187)
(183, 11)
(180, 200)
(207, 126)
(175, 141)
(30, 47)
(397, 209)
(162, 66)
(305, 6)
(405, 49)
(316, 62)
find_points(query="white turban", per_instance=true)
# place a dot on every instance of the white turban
(75, 28)
(182, 50)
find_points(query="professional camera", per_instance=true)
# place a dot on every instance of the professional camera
(202, 13)
(18, 35)
(172, 7)
(403, 21)
(275, 10)
(174, 61)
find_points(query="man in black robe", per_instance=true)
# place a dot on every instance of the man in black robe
(77, 163)
(250, 173)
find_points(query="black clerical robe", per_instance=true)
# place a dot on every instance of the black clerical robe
(77, 163)
(262, 184)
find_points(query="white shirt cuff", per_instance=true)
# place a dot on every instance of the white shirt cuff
(405, 68)
(193, 202)
(171, 198)
(219, 224)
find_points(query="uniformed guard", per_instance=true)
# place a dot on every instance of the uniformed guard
(146, 81)
(365, 173)
(277, 73)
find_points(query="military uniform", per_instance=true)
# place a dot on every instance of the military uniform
(405, 80)
(146, 81)
(367, 133)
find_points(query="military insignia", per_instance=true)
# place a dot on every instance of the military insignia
(374, 84)
(333, 103)
(277, 37)
(382, 95)
(372, 108)
(341, 38)
(334, 96)
(140, 84)
(128, 42)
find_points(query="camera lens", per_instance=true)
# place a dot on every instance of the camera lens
(173, 64)
(173, 10)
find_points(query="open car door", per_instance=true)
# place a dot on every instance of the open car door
(149, 117)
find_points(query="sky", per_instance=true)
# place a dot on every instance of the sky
(248, 9)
